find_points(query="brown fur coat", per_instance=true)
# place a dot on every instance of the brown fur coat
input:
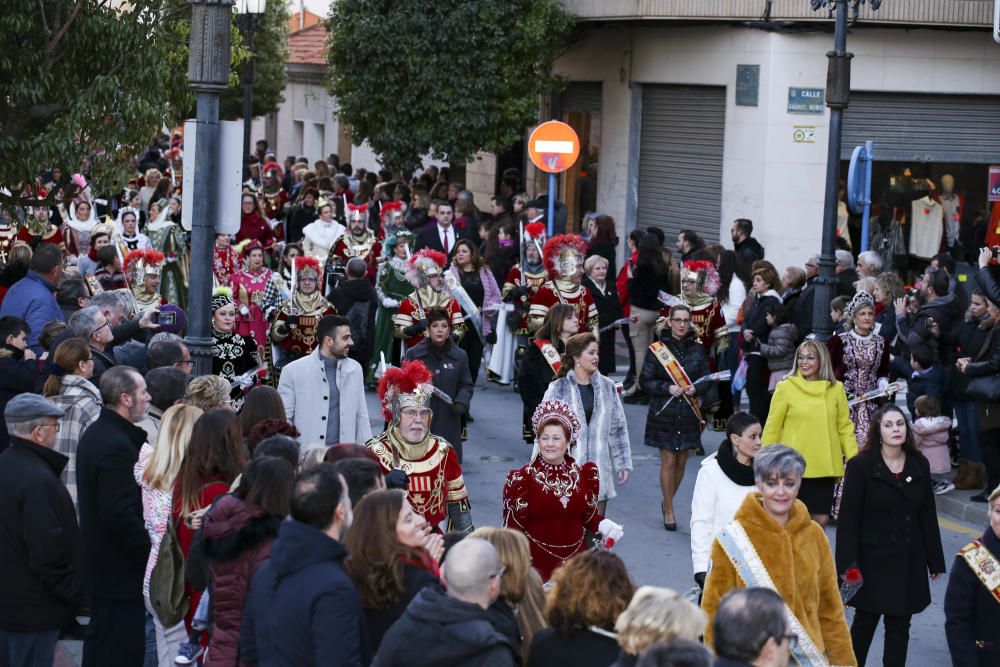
(800, 562)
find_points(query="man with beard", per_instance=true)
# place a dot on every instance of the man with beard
(294, 329)
(358, 242)
(324, 392)
(407, 450)
(450, 366)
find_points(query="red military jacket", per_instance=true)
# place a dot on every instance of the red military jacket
(411, 311)
(553, 292)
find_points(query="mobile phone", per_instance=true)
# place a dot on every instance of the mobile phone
(167, 318)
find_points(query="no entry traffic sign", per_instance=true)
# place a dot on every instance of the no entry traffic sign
(553, 146)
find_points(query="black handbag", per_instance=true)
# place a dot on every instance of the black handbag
(985, 388)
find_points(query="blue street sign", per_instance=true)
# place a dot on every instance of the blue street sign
(859, 186)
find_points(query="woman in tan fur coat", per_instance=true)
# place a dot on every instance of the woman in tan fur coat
(773, 543)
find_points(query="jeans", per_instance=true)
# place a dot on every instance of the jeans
(150, 657)
(28, 649)
(968, 431)
(897, 637)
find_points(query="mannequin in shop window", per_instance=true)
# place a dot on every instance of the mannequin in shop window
(952, 204)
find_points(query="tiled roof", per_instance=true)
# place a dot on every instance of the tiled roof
(306, 46)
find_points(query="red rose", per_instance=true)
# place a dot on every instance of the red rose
(853, 576)
(609, 543)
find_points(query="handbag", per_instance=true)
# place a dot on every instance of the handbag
(740, 376)
(985, 388)
(166, 582)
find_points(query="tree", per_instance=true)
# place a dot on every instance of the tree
(450, 79)
(271, 49)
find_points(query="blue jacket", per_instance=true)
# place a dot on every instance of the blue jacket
(32, 298)
(302, 608)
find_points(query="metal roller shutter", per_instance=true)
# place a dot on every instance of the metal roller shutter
(924, 128)
(582, 96)
(680, 159)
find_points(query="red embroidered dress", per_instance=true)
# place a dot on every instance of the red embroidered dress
(553, 505)
(248, 290)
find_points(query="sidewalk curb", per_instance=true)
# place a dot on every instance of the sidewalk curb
(956, 505)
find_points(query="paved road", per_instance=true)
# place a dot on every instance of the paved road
(652, 555)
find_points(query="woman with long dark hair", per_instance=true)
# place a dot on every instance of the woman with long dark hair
(604, 241)
(213, 460)
(888, 530)
(394, 554)
(477, 280)
(542, 360)
(647, 279)
(755, 330)
(262, 402)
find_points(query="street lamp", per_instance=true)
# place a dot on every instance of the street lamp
(838, 94)
(250, 11)
(208, 72)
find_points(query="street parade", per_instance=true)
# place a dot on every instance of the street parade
(521, 408)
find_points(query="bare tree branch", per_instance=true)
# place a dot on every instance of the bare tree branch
(45, 19)
(54, 42)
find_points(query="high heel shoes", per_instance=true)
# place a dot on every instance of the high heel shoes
(670, 526)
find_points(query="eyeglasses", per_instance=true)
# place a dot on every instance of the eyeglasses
(53, 425)
(186, 362)
(415, 413)
(793, 640)
(107, 323)
(499, 573)
(679, 321)
(689, 280)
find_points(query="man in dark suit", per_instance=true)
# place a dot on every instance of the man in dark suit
(115, 542)
(443, 236)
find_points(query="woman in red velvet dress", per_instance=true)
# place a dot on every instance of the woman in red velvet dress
(552, 500)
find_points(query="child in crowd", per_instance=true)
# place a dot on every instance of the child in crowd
(779, 350)
(930, 435)
(927, 378)
(837, 307)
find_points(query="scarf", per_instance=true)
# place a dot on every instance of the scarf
(733, 469)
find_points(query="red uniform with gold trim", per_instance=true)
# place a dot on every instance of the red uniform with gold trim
(435, 475)
(533, 281)
(52, 235)
(294, 327)
(347, 247)
(411, 311)
(563, 291)
(8, 235)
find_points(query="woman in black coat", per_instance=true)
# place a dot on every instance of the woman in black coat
(888, 530)
(609, 308)
(763, 298)
(971, 610)
(671, 423)
(535, 372)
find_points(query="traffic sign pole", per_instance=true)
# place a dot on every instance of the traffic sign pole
(550, 216)
(865, 218)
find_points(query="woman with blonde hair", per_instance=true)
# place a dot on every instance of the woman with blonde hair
(653, 616)
(809, 413)
(208, 391)
(588, 594)
(156, 472)
(70, 388)
(519, 611)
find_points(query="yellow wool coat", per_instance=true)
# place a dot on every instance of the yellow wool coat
(812, 417)
(800, 562)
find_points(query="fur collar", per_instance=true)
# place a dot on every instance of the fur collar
(752, 513)
(232, 527)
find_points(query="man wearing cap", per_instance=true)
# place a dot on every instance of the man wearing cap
(40, 546)
(115, 542)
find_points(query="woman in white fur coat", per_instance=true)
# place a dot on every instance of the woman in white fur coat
(603, 435)
(723, 482)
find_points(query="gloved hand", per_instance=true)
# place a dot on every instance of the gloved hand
(460, 409)
(610, 531)
(415, 329)
(491, 338)
(699, 578)
(247, 381)
(883, 383)
(396, 479)
(390, 303)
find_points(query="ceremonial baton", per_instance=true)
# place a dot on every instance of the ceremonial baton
(723, 376)
(877, 393)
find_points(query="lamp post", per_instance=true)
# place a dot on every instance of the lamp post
(838, 93)
(208, 72)
(250, 11)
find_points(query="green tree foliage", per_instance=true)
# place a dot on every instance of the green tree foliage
(448, 78)
(271, 49)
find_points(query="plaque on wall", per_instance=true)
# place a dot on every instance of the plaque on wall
(747, 85)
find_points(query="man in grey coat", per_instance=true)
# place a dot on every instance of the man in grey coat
(324, 391)
(450, 366)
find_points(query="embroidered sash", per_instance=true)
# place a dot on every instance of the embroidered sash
(676, 373)
(744, 557)
(984, 565)
(550, 353)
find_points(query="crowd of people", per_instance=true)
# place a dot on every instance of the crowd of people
(254, 516)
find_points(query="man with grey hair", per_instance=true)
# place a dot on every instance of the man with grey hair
(93, 326)
(751, 628)
(847, 275)
(869, 264)
(117, 305)
(115, 542)
(167, 350)
(453, 628)
(41, 578)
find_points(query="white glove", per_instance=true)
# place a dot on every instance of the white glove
(610, 530)
(390, 303)
(246, 381)
(883, 383)
(244, 311)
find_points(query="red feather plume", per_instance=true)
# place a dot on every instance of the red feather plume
(306, 262)
(390, 206)
(437, 256)
(148, 255)
(403, 380)
(555, 245)
(534, 229)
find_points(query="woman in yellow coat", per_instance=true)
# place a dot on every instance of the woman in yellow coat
(772, 543)
(809, 413)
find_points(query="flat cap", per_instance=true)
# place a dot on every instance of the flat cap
(25, 407)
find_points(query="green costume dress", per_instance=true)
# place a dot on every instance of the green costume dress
(168, 238)
(391, 287)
